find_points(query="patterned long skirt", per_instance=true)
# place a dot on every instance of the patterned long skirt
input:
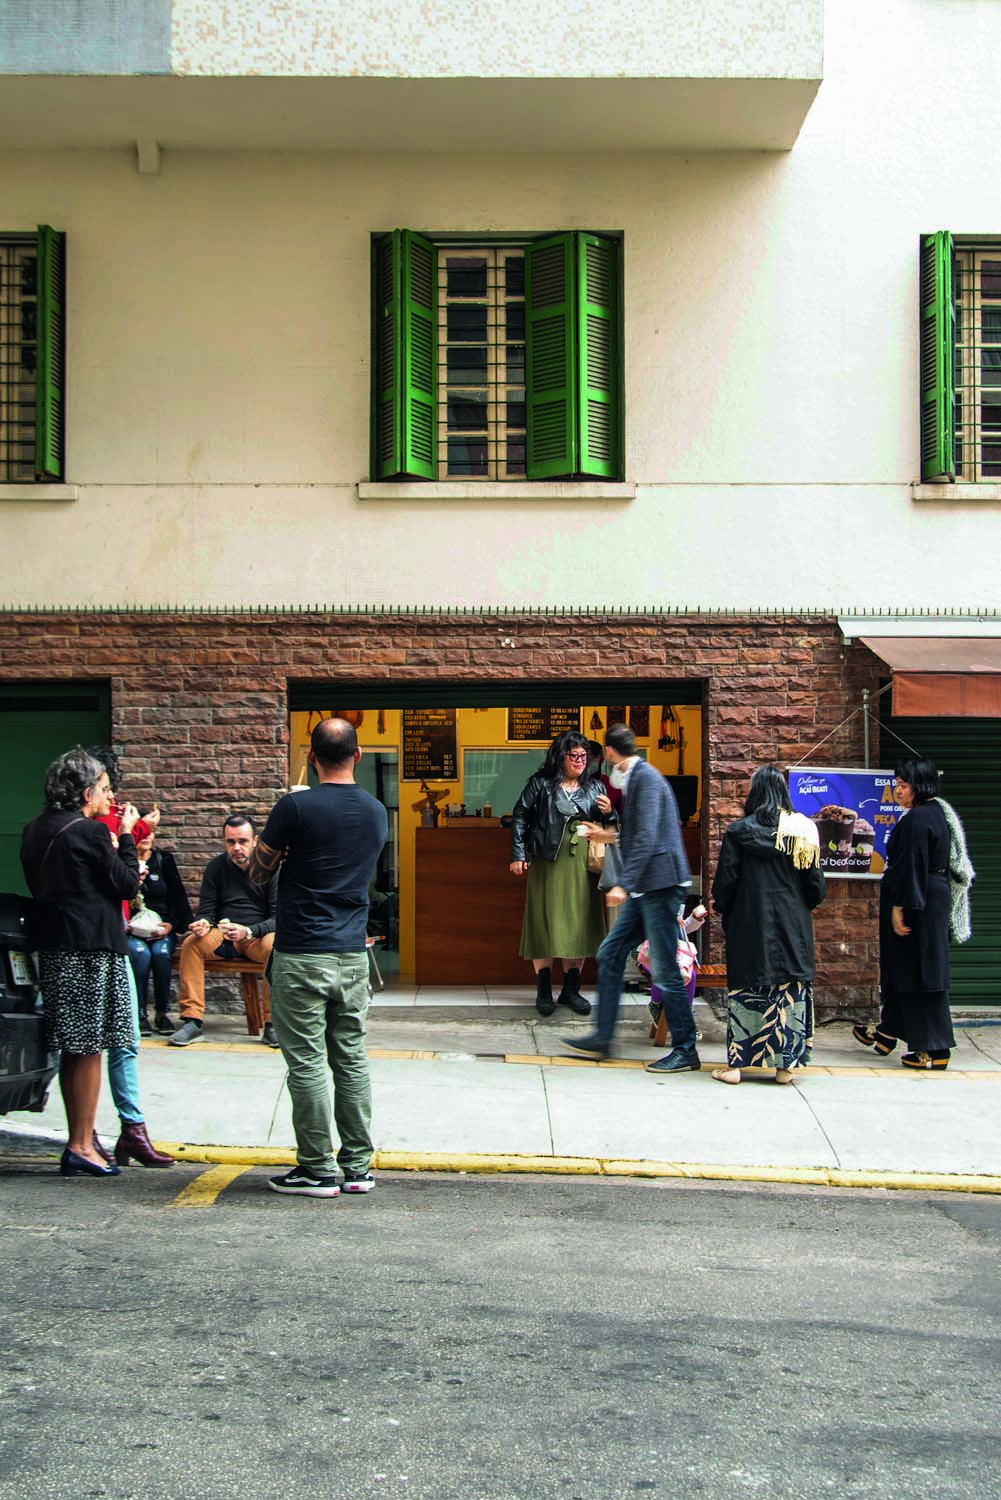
(770, 1026)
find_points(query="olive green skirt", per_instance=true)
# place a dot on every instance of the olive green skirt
(564, 917)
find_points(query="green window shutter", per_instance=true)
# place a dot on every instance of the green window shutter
(50, 374)
(404, 356)
(937, 351)
(573, 360)
(598, 342)
(551, 407)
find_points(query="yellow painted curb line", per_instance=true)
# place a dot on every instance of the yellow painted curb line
(593, 1166)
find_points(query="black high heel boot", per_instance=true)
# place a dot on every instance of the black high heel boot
(570, 994)
(544, 1002)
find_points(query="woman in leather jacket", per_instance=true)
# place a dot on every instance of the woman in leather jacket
(563, 909)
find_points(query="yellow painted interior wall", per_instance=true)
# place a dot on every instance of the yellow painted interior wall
(475, 729)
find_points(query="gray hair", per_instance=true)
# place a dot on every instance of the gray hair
(68, 780)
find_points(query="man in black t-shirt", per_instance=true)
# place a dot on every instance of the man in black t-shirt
(327, 841)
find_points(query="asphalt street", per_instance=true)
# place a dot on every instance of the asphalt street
(172, 1334)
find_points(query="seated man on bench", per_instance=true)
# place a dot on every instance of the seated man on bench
(234, 919)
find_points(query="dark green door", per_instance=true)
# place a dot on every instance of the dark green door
(967, 752)
(38, 721)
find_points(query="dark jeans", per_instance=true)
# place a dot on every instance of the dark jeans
(653, 916)
(156, 955)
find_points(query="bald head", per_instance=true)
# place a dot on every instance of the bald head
(334, 743)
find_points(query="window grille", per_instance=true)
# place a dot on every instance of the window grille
(481, 362)
(977, 295)
(18, 357)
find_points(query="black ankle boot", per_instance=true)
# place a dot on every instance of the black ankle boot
(570, 994)
(544, 1002)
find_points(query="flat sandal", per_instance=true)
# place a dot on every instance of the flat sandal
(726, 1075)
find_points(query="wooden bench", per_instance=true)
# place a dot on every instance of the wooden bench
(708, 977)
(251, 979)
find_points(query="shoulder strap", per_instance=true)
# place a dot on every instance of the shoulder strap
(78, 819)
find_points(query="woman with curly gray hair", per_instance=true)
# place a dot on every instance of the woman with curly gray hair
(71, 864)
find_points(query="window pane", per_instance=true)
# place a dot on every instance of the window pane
(516, 456)
(516, 363)
(467, 456)
(990, 366)
(516, 414)
(515, 312)
(467, 413)
(467, 365)
(990, 325)
(466, 276)
(467, 323)
(514, 276)
(990, 278)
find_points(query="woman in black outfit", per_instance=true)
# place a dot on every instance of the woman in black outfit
(914, 906)
(767, 883)
(70, 863)
(162, 891)
(563, 908)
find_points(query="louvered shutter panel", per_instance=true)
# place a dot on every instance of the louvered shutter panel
(937, 352)
(50, 374)
(551, 364)
(598, 342)
(420, 275)
(404, 356)
(387, 444)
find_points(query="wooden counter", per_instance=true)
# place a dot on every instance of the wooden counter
(470, 909)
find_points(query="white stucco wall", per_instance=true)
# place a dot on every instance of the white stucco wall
(219, 362)
(585, 38)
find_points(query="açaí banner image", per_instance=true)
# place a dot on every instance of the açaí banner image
(854, 812)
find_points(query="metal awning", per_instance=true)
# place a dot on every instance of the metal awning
(948, 677)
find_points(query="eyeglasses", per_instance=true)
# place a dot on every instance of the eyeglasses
(576, 755)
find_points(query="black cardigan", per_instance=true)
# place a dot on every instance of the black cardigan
(70, 862)
(765, 903)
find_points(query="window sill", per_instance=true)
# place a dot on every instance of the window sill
(39, 492)
(988, 491)
(508, 489)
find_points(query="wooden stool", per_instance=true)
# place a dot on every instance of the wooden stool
(251, 978)
(709, 977)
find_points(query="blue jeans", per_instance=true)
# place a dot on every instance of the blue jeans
(319, 1006)
(123, 1067)
(653, 916)
(154, 954)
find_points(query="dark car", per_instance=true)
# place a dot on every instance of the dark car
(27, 1067)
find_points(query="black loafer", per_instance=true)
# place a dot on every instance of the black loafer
(676, 1062)
(591, 1046)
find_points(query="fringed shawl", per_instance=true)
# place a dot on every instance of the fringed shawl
(961, 876)
(797, 836)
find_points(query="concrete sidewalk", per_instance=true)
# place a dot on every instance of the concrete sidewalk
(480, 1085)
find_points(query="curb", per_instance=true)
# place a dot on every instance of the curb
(465, 1164)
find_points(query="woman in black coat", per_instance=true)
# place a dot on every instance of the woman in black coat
(768, 880)
(914, 906)
(71, 864)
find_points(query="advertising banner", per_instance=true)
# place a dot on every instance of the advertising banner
(854, 812)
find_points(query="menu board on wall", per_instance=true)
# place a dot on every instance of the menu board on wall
(855, 813)
(540, 723)
(429, 743)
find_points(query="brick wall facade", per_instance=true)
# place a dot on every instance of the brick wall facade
(199, 707)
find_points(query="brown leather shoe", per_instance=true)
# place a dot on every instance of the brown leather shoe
(134, 1144)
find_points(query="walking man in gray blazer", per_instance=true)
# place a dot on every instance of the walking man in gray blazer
(651, 890)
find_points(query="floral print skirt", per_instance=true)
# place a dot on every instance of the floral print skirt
(770, 1026)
